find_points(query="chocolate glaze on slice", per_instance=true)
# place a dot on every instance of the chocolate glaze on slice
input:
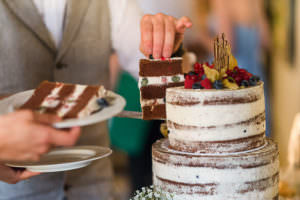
(82, 100)
(39, 95)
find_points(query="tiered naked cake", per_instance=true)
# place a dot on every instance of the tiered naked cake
(217, 149)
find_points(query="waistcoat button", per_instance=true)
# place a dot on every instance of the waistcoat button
(61, 65)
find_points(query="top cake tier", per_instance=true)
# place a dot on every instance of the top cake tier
(216, 121)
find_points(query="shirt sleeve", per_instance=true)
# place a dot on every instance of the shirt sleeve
(125, 27)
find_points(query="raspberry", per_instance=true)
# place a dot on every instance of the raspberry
(243, 71)
(197, 67)
(188, 83)
(236, 69)
(246, 76)
(238, 79)
(206, 83)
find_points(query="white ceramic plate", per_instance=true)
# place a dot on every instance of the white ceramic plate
(64, 159)
(117, 104)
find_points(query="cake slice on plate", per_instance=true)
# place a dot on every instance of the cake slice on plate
(155, 77)
(66, 100)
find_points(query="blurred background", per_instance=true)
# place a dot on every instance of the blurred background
(265, 38)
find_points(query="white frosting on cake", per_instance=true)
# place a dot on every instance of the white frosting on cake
(160, 80)
(227, 126)
(240, 176)
(209, 115)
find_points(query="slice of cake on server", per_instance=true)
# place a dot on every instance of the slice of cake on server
(155, 77)
(66, 100)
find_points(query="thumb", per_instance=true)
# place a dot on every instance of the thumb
(27, 174)
(182, 24)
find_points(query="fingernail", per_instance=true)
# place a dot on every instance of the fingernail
(149, 51)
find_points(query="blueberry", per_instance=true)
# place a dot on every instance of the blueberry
(254, 80)
(102, 102)
(151, 57)
(245, 83)
(197, 85)
(203, 77)
(218, 85)
(192, 73)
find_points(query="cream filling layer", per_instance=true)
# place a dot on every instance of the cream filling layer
(160, 80)
(51, 100)
(152, 102)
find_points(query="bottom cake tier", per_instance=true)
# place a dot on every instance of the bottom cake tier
(244, 176)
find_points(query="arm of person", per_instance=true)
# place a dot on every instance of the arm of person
(264, 28)
(158, 35)
(223, 21)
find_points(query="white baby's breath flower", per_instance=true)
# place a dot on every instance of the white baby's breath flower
(152, 193)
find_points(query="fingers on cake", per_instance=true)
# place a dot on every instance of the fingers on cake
(216, 147)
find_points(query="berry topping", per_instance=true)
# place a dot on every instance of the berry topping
(188, 83)
(206, 83)
(102, 102)
(151, 57)
(197, 85)
(211, 74)
(218, 85)
(245, 83)
(203, 77)
(230, 83)
(238, 79)
(254, 80)
(198, 67)
(192, 73)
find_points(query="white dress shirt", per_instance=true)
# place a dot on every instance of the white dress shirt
(125, 22)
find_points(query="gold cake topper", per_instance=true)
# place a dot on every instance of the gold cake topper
(222, 53)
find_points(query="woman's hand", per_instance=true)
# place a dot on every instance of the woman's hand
(25, 136)
(162, 35)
